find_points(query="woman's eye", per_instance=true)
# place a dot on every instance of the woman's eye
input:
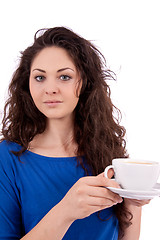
(65, 77)
(39, 78)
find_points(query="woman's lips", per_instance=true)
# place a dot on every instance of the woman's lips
(52, 103)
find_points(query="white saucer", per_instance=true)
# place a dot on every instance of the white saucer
(139, 195)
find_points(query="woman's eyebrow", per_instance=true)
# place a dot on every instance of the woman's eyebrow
(62, 69)
(37, 69)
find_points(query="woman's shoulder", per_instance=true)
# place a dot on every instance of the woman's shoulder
(8, 160)
(7, 146)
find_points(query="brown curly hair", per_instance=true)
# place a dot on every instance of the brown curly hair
(97, 131)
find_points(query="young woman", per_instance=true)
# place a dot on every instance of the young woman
(58, 135)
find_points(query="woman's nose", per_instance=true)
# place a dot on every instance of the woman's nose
(50, 92)
(51, 87)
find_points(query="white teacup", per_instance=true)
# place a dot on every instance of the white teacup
(135, 174)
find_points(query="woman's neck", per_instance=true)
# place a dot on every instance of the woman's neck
(56, 140)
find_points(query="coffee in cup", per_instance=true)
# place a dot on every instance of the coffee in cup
(134, 174)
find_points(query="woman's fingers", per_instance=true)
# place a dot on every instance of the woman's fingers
(96, 187)
(97, 195)
(110, 173)
(105, 193)
(101, 201)
(89, 195)
(136, 202)
(99, 180)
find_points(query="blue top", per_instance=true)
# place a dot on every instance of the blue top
(31, 187)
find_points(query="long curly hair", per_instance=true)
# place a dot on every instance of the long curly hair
(97, 129)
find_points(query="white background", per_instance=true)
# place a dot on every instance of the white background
(128, 34)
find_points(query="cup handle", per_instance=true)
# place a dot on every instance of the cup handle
(106, 171)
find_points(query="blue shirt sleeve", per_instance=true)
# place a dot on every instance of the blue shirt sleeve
(10, 210)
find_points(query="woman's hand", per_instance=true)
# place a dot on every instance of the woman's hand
(89, 195)
(135, 207)
(135, 202)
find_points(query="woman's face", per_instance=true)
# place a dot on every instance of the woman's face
(53, 83)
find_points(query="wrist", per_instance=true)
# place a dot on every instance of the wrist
(65, 213)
